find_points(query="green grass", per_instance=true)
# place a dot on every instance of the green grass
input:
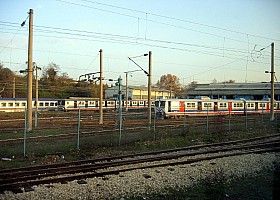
(140, 141)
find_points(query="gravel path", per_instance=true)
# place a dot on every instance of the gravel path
(147, 181)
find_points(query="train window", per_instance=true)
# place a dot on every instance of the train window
(262, 105)
(47, 104)
(23, 104)
(16, 104)
(67, 102)
(250, 105)
(10, 104)
(52, 104)
(41, 104)
(238, 105)
(157, 103)
(223, 105)
(3, 104)
(207, 105)
(190, 105)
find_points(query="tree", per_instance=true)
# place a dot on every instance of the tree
(169, 82)
(6, 81)
(229, 81)
(50, 74)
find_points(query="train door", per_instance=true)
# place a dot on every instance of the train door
(75, 104)
(181, 106)
(86, 104)
(229, 107)
(169, 106)
(256, 106)
(267, 107)
(199, 106)
(215, 106)
(96, 104)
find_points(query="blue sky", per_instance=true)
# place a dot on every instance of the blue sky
(194, 40)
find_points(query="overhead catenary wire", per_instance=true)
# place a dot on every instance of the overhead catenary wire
(167, 17)
(112, 37)
(177, 19)
(122, 39)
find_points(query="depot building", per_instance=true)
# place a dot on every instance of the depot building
(253, 91)
(138, 93)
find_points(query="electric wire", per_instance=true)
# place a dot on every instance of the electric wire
(172, 25)
(177, 19)
(112, 38)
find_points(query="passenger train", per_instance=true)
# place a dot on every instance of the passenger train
(20, 104)
(93, 104)
(163, 107)
(198, 107)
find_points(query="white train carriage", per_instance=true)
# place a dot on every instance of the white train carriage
(46, 104)
(20, 104)
(12, 104)
(78, 103)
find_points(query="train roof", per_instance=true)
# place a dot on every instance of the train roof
(25, 99)
(212, 100)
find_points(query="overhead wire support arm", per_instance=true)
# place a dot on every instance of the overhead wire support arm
(139, 66)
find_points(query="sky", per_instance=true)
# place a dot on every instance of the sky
(194, 40)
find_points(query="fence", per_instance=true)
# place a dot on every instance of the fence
(80, 130)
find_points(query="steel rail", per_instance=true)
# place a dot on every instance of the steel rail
(91, 167)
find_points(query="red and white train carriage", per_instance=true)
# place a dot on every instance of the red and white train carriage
(199, 107)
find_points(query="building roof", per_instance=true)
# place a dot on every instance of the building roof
(138, 88)
(262, 88)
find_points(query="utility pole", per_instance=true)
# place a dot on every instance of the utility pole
(126, 92)
(120, 109)
(272, 84)
(149, 91)
(37, 94)
(30, 72)
(14, 87)
(101, 91)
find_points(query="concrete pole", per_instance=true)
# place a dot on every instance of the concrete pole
(272, 84)
(101, 91)
(120, 109)
(14, 87)
(126, 92)
(37, 88)
(30, 72)
(36, 95)
(149, 91)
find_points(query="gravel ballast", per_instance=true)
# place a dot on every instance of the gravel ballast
(154, 180)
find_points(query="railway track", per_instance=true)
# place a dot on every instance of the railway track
(90, 122)
(88, 128)
(12, 179)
